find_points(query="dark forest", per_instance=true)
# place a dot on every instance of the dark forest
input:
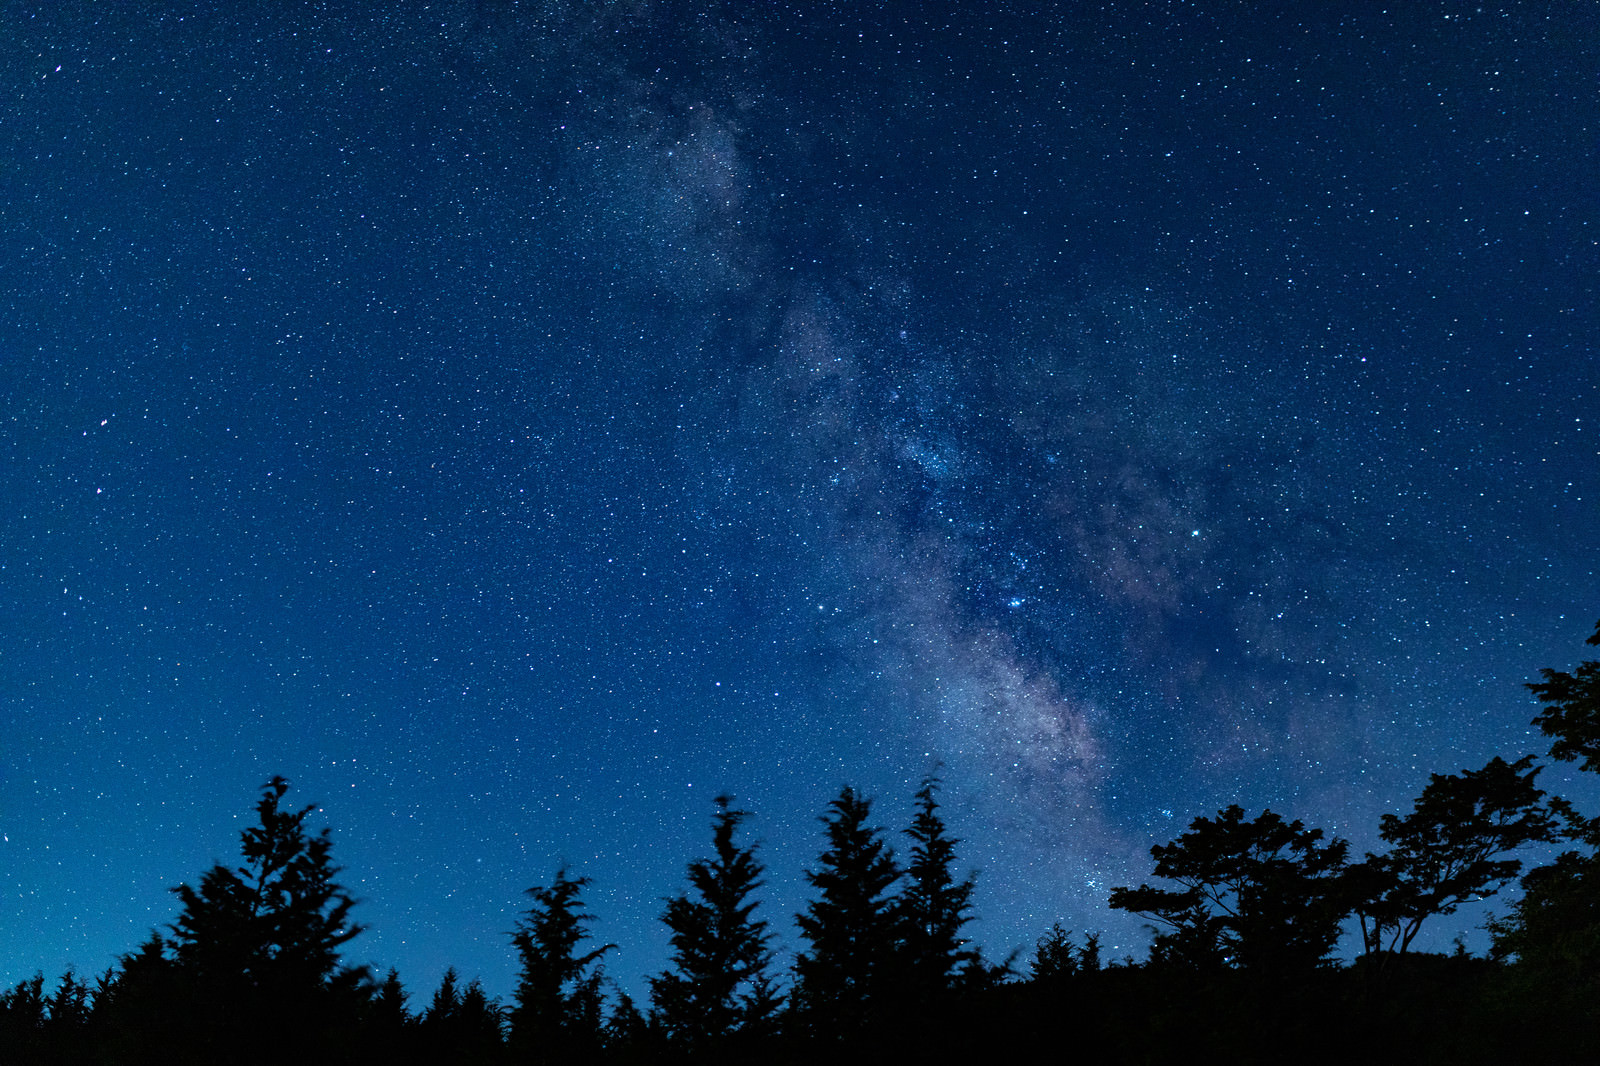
(1245, 914)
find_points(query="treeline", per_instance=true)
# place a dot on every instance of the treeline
(1245, 920)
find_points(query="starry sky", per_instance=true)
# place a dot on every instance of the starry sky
(518, 423)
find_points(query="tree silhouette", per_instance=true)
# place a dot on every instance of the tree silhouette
(1056, 958)
(46, 1029)
(1261, 895)
(718, 985)
(1445, 851)
(251, 969)
(852, 925)
(388, 1029)
(23, 1013)
(69, 1003)
(389, 1001)
(556, 1007)
(934, 906)
(1572, 710)
(629, 1035)
(277, 921)
(134, 1006)
(1553, 931)
(445, 1004)
(461, 1025)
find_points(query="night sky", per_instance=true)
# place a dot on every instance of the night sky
(517, 424)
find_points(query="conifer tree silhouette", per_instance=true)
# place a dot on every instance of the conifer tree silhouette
(46, 1029)
(388, 1028)
(66, 1028)
(277, 921)
(461, 1025)
(1056, 958)
(718, 985)
(629, 1035)
(852, 925)
(556, 1007)
(133, 1007)
(933, 906)
(446, 1001)
(255, 948)
(480, 1024)
(23, 1014)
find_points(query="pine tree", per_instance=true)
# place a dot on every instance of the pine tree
(852, 925)
(67, 1030)
(462, 1026)
(278, 921)
(446, 1000)
(388, 1004)
(40, 1028)
(388, 1029)
(556, 1007)
(480, 1024)
(629, 1035)
(718, 984)
(134, 1006)
(23, 1013)
(1056, 958)
(255, 950)
(934, 905)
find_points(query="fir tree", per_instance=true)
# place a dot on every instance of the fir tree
(934, 905)
(629, 1035)
(480, 1024)
(388, 1004)
(255, 950)
(67, 1029)
(718, 985)
(134, 1006)
(446, 1000)
(277, 922)
(1056, 958)
(852, 925)
(556, 1007)
(388, 1029)
(461, 1025)
(23, 1012)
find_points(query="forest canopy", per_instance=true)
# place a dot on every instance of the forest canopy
(1245, 912)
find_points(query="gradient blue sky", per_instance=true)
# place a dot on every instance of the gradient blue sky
(518, 423)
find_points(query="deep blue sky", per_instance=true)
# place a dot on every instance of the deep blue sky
(518, 423)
